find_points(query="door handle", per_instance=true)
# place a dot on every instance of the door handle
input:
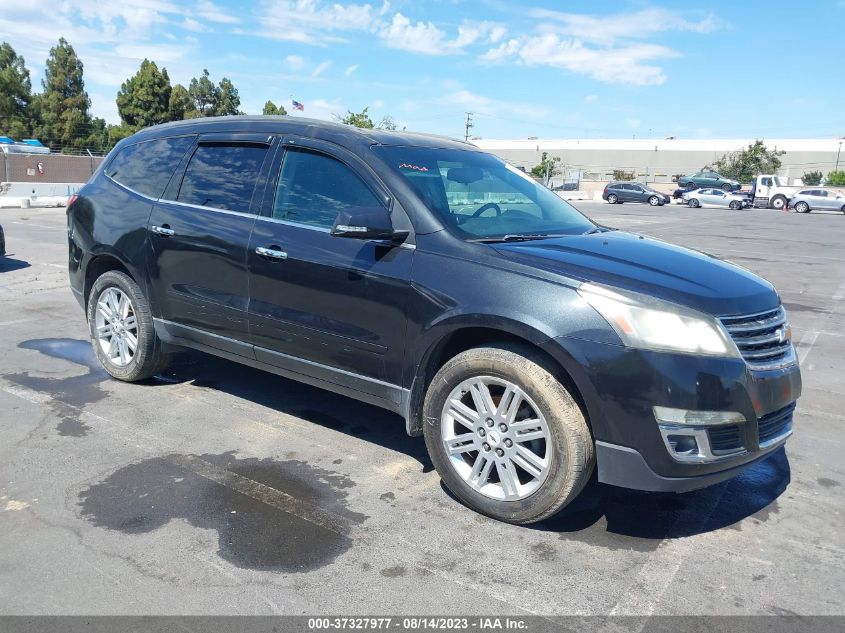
(165, 230)
(273, 252)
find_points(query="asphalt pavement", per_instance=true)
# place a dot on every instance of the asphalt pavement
(218, 489)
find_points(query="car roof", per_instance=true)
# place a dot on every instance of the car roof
(347, 136)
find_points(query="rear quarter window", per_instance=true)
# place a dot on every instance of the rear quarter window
(147, 167)
(222, 176)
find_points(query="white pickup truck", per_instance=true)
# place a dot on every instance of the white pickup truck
(769, 191)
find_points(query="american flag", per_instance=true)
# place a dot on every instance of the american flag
(297, 105)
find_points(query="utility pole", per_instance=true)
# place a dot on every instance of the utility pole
(468, 126)
(839, 151)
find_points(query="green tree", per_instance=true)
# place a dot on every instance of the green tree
(64, 103)
(745, 164)
(387, 123)
(144, 98)
(15, 93)
(621, 174)
(836, 178)
(98, 137)
(227, 101)
(360, 119)
(116, 133)
(272, 108)
(812, 178)
(180, 103)
(546, 168)
(203, 95)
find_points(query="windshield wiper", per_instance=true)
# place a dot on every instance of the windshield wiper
(598, 229)
(516, 237)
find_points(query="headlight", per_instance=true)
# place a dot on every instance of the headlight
(648, 323)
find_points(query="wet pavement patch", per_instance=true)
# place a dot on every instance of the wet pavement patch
(270, 515)
(69, 395)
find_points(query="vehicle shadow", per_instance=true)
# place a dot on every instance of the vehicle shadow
(296, 399)
(603, 513)
(8, 264)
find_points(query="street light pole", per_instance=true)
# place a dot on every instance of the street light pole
(839, 151)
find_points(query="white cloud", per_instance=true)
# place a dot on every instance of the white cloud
(190, 24)
(295, 62)
(608, 48)
(321, 68)
(628, 63)
(211, 12)
(105, 107)
(351, 69)
(312, 21)
(636, 25)
(590, 98)
(426, 38)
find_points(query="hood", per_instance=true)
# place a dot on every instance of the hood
(646, 265)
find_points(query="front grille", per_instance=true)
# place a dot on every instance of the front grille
(775, 424)
(762, 338)
(724, 439)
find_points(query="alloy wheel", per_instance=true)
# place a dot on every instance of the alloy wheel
(496, 438)
(116, 326)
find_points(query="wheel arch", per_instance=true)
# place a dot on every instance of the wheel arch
(450, 341)
(103, 262)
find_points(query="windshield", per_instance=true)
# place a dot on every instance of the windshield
(478, 195)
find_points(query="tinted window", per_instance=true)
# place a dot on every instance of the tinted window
(314, 188)
(222, 176)
(147, 167)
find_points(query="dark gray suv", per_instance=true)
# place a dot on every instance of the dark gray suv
(529, 346)
(619, 192)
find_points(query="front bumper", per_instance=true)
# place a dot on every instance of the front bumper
(621, 386)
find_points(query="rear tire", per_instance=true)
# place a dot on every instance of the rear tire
(727, 188)
(118, 314)
(694, 203)
(491, 397)
(612, 198)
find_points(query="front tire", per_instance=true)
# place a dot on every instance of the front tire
(654, 201)
(802, 207)
(121, 328)
(693, 202)
(505, 435)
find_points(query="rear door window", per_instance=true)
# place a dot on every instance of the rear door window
(148, 166)
(313, 188)
(223, 175)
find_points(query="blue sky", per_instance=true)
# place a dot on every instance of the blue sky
(713, 69)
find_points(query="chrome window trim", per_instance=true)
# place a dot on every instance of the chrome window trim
(300, 225)
(181, 204)
(205, 208)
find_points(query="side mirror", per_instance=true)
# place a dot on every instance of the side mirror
(366, 223)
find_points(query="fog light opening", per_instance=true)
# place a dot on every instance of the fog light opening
(683, 444)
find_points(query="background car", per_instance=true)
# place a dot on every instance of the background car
(619, 192)
(715, 197)
(707, 178)
(808, 199)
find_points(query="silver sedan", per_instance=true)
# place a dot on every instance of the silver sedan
(714, 198)
(807, 200)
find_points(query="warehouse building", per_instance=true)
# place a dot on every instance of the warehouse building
(657, 160)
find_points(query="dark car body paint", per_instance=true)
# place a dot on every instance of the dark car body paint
(360, 317)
